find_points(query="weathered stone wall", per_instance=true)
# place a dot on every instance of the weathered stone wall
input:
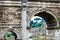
(32, 9)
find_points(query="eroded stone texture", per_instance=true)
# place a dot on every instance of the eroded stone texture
(11, 16)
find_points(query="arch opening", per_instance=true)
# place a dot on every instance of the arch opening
(50, 19)
(14, 34)
(37, 21)
(10, 35)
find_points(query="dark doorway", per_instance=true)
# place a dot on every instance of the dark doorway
(50, 19)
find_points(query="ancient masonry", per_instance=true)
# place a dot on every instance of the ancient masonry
(10, 15)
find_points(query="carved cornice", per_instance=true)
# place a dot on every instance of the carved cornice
(29, 4)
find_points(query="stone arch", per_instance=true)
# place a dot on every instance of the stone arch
(9, 34)
(14, 34)
(49, 17)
